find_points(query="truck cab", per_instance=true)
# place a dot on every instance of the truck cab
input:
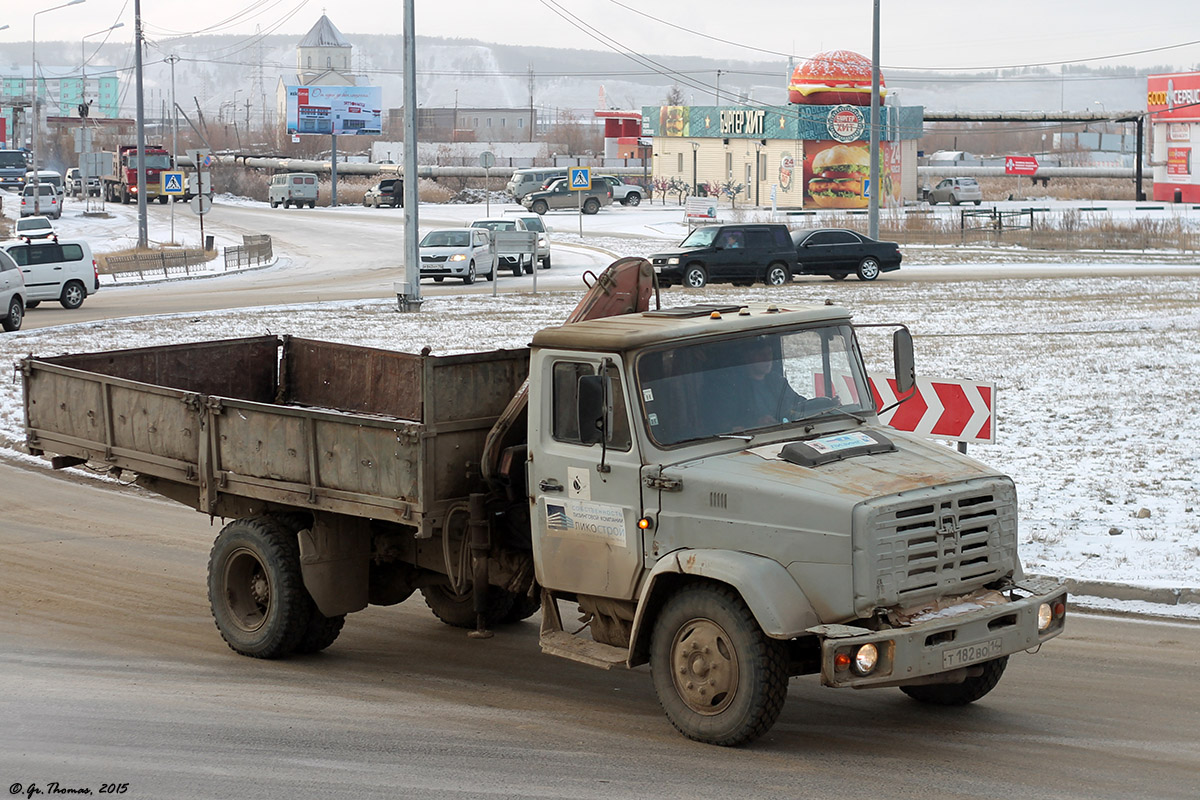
(719, 475)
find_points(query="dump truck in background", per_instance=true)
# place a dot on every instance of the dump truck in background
(119, 181)
(617, 465)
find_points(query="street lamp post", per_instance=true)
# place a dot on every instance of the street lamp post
(37, 206)
(757, 177)
(695, 150)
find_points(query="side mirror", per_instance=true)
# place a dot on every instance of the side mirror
(905, 369)
(593, 408)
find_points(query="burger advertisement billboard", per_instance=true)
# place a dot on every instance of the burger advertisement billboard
(836, 175)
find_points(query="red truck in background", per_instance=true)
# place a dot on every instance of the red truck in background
(120, 178)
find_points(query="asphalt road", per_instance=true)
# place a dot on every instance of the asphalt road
(111, 671)
(350, 255)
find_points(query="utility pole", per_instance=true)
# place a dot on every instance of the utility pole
(143, 236)
(873, 201)
(410, 297)
(172, 60)
(531, 111)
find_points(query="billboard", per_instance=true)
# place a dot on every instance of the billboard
(1173, 97)
(351, 110)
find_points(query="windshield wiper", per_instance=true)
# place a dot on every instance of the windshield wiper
(743, 436)
(833, 410)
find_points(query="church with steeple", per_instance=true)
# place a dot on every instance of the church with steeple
(323, 58)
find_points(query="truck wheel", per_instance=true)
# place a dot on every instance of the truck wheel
(633, 199)
(516, 270)
(539, 207)
(16, 313)
(591, 206)
(274, 204)
(695, 276)
(528, 267)
(960, 694)
(255, 588)
(523, 608)
(868, 270)
(72, 295)
(320, 631)
(162, 200)
(546, 262)
(778, 275)
(718, 677)
(459, 609)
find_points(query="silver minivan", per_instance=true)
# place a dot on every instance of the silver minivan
(55, 270)
(12, 294)
(293, 189)
(524, 181)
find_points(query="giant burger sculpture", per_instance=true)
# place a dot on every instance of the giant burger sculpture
(833, 77)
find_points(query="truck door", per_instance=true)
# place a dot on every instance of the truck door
(586, 497)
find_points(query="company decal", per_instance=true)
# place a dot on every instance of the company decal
(579, 483)
(846, 123)
(582, 519)
(844, 441)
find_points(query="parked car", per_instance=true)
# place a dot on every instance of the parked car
(457, 253)
(12, 293)
(560, 195)
(34, 228)
(48, 200)
(74, 183)
(524, 181)
(739, 254)
(55, 270)
(955, 191)
(627, 194)
(293, 189)
(388, 192)
(517, 264)
(534, 223)
(837, 252)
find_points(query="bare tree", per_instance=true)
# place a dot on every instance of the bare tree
(674, 96)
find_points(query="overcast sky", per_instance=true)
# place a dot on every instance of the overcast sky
(915, 33)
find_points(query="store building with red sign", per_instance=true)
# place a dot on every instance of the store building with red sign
(1173, 104)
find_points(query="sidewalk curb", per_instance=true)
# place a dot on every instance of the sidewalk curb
(1110, 590)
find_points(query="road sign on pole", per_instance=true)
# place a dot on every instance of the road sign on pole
(172, 182)
(1020, 165)
(581, 178)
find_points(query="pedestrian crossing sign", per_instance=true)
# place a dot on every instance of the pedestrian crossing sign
(581, 178)
(172, 182)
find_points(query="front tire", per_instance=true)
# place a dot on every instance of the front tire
(469, 278)
(72, 295)
(718, 677)
(16, 313)
(868, 269)
(695, 277)
(546, 262)
(778, 275)
(255, 588)
(960, 694)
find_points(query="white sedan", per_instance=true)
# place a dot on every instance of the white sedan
(457, 253)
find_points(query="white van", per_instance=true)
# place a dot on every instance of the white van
(55, 270)
(524, 181)
(41, 199)
(49, 176)
(293, 189)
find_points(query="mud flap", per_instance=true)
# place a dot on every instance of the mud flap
(335, 562)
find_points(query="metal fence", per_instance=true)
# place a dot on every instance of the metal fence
(164, 261)
(255, 250)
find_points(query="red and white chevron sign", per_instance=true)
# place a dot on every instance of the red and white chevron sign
(959, 410)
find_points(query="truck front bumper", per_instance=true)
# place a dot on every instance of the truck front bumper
(942, 649)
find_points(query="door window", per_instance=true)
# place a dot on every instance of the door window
(566, 404)
(6, 262)
(758, 239)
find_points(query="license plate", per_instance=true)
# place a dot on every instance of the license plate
(972, 653)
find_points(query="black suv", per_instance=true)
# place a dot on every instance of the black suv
(738, 254)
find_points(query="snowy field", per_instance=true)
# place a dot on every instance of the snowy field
(1097, 380)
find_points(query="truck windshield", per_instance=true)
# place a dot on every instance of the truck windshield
(701, 237)
(734, 386)
(10, 159)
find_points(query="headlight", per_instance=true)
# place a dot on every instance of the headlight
(866, 659)
(672, 261)
(458, 257)
(542, 241)
(1045, 617)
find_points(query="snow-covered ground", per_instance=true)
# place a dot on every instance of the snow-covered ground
(1097, 376)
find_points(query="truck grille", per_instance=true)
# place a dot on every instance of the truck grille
(951, 541)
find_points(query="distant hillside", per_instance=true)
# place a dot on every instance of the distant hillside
(216, 69)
